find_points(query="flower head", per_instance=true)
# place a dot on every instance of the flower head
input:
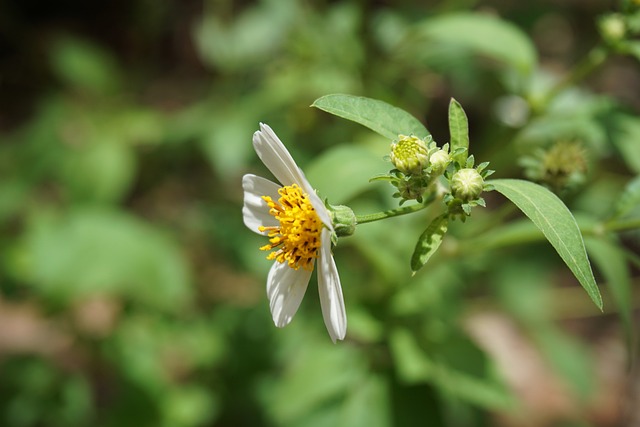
(467, 184)
(299, 228)
(409, 154)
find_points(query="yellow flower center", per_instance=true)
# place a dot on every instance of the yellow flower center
(409, 154)
(297, 238)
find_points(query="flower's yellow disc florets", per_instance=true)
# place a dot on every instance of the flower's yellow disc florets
(297, 238)
(409, 155)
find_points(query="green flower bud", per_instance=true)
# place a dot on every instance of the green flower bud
(562, 167)
(467, 184)
(409, 155)
(411, 189)
(613, 27)
(343, 219)
(439, 161)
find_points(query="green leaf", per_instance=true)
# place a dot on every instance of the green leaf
(557, 224)
(458, 128)
(629, 199)
(380, 117)
(484, 35)
(429, 242)
(611, 261)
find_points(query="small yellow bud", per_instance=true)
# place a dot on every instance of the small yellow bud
(467, 184)
(409, 155)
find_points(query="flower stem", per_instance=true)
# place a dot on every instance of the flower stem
(362, 219)
(480, 243)
(623, 225)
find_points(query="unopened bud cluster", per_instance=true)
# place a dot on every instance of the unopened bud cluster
(418, 163)
(562, 167)
(467, 183)
(422, 170)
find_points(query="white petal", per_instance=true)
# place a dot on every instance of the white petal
(255, 210)
(331, 300)
(276, 157)
(285, 289)
(319, 207)
(278, 160)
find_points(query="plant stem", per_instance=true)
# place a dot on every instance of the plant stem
(363, 219)
(623, 225)
(535, 235)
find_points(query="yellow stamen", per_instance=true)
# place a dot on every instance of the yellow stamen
(297, 238)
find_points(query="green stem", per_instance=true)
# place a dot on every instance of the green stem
(623, 225)
(481, 243)
(362, 219)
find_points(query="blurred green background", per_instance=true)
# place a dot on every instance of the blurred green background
(131, 294)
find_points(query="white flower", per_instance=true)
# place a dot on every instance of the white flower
(299, 229)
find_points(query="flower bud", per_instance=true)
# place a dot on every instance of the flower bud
(343, 219)
(439, 161)
(467, 184)
(409, 155)
(613, 27)
(411, 190)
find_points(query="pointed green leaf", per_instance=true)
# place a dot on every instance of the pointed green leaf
(557, 224)
(458, 127)
(380, 117)
(429, 242)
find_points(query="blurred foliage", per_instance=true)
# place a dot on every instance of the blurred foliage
(132, 295)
